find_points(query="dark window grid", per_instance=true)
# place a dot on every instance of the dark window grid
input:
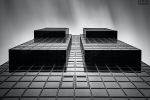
(45, 82)
(13, 85)
(133, 84)
(30, 83)
(103, 83)
(127, 76)
(74, 79)
(118, 83)
(140, 76)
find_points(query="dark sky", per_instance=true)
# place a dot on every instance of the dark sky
(18, 19)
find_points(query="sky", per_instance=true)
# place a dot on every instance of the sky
(19, 19)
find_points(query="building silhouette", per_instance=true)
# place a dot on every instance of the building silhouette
(56, 65)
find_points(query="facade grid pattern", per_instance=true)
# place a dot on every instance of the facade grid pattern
(75, 81)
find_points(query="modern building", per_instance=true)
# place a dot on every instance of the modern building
(58, 66)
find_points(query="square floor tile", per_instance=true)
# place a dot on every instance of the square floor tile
(66, 92)
(99, 92)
